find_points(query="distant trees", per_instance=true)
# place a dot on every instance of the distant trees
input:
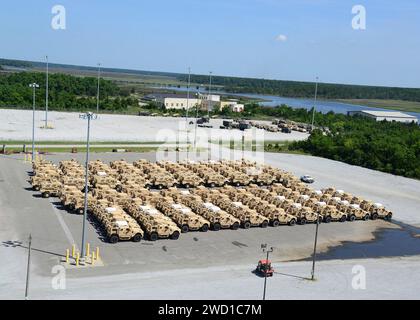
(66, 92)
(306, 89)
(385, 146)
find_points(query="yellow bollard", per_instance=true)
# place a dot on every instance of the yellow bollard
(97, 253)
(77, 259)
(87, 249)
(67, 255)
(93, 258)
(73, 251)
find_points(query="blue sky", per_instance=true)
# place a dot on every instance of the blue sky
(228, 37)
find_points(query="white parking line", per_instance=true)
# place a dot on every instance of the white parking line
(63, 224)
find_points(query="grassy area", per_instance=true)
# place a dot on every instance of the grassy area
(407, 106)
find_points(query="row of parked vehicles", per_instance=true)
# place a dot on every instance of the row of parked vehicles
(120, 202)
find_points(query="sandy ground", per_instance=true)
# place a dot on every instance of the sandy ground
(16, 125)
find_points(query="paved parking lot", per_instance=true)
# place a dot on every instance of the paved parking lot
(54, 229)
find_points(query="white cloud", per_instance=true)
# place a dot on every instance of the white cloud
(281, 38)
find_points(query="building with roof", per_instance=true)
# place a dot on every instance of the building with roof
(180, 101)
(379, 115)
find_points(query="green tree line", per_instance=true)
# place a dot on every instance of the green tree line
(65, 92)
(296, 89)
(385, 146)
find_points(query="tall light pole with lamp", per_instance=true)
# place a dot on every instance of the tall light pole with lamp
(267, 251)
(46, 94)
(89, 116)
(315, 98)
(33, 86)
(97, 92)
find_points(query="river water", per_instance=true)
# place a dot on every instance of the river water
(272, 101)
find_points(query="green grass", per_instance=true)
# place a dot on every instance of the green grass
(407, 106)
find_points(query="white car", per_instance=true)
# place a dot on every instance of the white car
(307, 179)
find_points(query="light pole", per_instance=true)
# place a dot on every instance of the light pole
(314, 254)
(313, 112)
(187, 126)
(97, 93)
(268, 251)
(196, 115)
(33, 86)
(46, 96)
(89, 116)
(209, 99)
(28, 267)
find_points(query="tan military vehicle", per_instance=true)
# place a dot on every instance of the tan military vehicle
(67, 196)
(78, 203)
(41, 177)
(353, 211)
(248, 217)
(276, 215)
(161, 179)
(219, 219)
(133, 181)
(183, 216)
(50, 188)
(102, 178)
(155, 224)
(303, 214)
(118, 225)
(376, 210)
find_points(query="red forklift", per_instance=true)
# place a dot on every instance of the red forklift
(264, 268)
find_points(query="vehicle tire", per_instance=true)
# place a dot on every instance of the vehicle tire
(212, 185)
(80, 211)
(216, 226)
(35, 188)
(235, 226)
(264, 224)
(327, 219)
(205, 228)
(175, 235)
(389, 217)
(160, 186)
(118, 188)
(187, 185)
(246, 225)
(352, 218)
(343, 218)
(260, 183)
(153, 236)
(374, 216)
(46, 195)
(137, 237)
(292, 222)
(70, 207)
(302, 221)
(147, 186)
(366, 217)
(275, 223)
(237, 184)
(185, 228)
(113, 238)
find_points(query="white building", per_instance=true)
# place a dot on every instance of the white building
(385, 115)
(233, 105)
(174, 101)
(179, 101)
